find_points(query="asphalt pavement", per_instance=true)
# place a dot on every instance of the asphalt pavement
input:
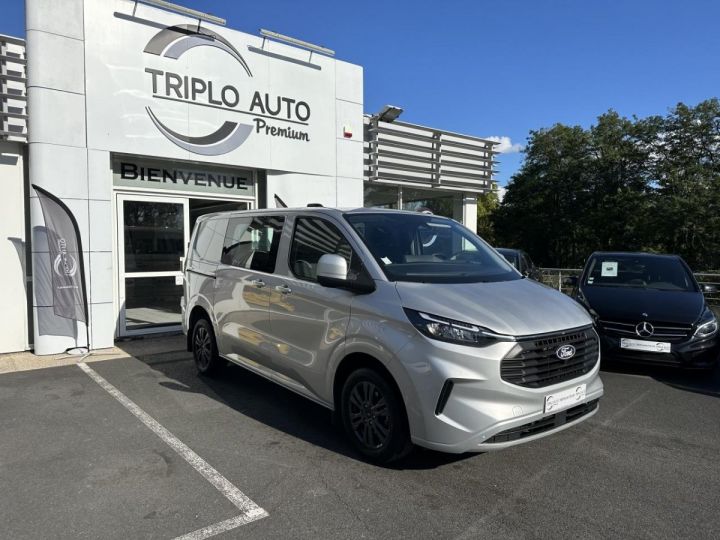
(76, 462)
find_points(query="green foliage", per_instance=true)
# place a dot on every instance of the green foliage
(487, 203)
(648, 184)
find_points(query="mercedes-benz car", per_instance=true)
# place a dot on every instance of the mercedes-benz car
(649, 308)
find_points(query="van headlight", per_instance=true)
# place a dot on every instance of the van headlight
(444, 329)
(707, 326)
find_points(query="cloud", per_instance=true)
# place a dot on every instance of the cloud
(506, 146)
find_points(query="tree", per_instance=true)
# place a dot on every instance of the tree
(487, 203)
(623, 184)
(542, 211)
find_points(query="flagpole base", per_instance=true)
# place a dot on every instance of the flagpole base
(78, 351)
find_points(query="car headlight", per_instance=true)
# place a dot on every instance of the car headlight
(708, 324)
(444, 329)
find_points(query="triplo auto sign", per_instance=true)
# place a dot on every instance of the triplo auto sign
(269, 115)
(164, 87)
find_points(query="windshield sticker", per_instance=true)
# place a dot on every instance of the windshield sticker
(591, 280)
(609, 269)
(386, 260)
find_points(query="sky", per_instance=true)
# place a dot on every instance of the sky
(501, 68)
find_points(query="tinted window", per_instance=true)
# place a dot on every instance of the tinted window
(641, 271)
(429, 249)
(252, 242)
(510, 256)
(313, 238)
(525, 263)
(209, 240)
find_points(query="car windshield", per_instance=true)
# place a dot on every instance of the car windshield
(429, 249)
(640, 271)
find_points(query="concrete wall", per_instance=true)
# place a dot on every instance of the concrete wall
(13, 291)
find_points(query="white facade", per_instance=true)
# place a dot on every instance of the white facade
(190, 112)
(13, 241)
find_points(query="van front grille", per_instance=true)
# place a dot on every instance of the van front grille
(535, 362)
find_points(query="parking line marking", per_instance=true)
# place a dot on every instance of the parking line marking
(250, 510)
(216, 528)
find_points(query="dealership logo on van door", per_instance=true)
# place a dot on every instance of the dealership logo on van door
(173, 42)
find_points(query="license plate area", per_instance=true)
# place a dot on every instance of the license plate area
(645, 346)
(564, 399)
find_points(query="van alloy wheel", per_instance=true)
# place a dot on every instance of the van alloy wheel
(373, 416)
(369, 415)
(204, 347)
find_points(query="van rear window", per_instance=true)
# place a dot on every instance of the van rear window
(209, 240)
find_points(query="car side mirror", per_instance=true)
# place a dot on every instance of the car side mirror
(709, 289)
(570, 281)
(332, 271)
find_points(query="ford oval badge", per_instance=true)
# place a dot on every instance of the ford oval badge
(565, 352)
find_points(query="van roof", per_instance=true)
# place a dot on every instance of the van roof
(311, 209)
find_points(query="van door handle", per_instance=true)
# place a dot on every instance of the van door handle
(283, 289)
(259, 283)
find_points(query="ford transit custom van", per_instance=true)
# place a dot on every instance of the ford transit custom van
(408, 326)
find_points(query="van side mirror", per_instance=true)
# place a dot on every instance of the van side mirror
(707, 288)
(332, 271)
(570, 281)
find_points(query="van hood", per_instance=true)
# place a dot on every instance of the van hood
(639, 303)
(516, 308)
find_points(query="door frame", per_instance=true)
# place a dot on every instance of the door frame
(120, 199)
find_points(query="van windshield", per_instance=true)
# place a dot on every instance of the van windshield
(639, 271)
(429, 249)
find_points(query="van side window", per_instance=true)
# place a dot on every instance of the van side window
(313, 238)
(252, 242)
(209, 240)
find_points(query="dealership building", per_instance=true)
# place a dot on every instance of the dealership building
(143, 116)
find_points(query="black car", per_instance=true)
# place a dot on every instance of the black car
(520, 260)
(649, 308)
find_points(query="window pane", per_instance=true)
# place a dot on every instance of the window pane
(380, 196)
(252, 243)
(154, 236)
(209, 240)
(152, 301)
(440, 203)
(314, 238)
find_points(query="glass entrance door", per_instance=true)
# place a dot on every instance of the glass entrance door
(153, 234)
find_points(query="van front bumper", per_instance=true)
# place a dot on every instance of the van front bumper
(483, 412)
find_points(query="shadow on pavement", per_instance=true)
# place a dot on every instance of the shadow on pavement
(264, 401)
(706, 382)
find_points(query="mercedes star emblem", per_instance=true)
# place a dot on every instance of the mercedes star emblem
(644, 329)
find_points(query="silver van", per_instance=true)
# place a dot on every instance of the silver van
(407, 325)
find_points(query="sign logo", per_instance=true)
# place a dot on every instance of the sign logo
(172, 43)
(565, 352)
(64, 263)
(644, 329)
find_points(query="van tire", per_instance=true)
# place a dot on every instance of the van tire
(204, 348)
(373, 417)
